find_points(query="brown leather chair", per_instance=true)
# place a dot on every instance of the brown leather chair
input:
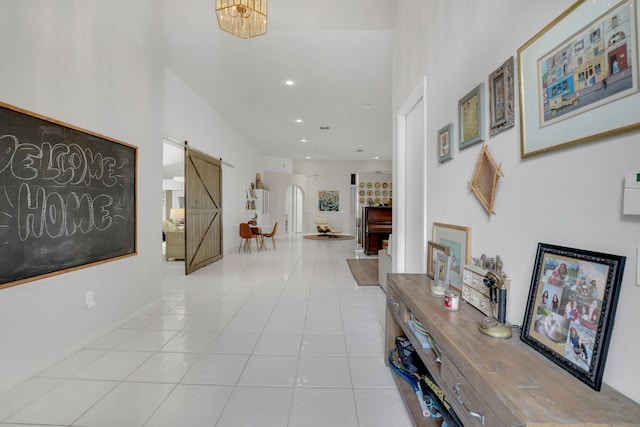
(246, 235)
(272, 235)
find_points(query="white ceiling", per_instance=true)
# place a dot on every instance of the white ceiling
(337, 51)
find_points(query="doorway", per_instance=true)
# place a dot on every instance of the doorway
(410, 184)
(294, 201)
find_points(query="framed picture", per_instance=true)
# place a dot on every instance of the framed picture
(458, 239)
(68, 198)
(328, 201)
(571, 308)
(579, 77)
(471, 117)
(445, 150)
(441, 278)
(501, 99)
(433, 249)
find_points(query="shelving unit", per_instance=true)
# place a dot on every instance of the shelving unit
(505, 382)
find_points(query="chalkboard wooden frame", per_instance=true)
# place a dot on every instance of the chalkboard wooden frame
(68, 197)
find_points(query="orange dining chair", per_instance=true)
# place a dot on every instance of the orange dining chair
(272, 235)
(246, 235)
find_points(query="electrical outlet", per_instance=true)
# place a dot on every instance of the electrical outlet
(88, 299)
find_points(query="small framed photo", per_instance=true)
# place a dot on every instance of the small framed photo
(471, 117)
(441, 278)
(445, 150)
(501, 99)
(458, 239)
(571, 309)
(433, 249)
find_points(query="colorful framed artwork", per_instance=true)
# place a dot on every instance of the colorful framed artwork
(471, 117)
(579, 77)
(501, 99)
(571, 308)
(458, 239)
(328, 201)
(445, 149)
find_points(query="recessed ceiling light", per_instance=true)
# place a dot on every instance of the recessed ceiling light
(303, 140)
(298, 120)
(366, 106)
(376, 157)
(289, 82)
(308, 157)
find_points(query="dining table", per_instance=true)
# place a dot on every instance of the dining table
(258, 229)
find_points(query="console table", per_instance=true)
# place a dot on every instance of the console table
(492, 382)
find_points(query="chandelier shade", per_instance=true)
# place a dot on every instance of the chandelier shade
(242, 18)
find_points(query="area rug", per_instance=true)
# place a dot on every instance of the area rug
(330, 238)
(365, 271)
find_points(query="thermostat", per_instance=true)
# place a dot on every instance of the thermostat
(631, 196)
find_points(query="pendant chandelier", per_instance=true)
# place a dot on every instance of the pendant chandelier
(242, 18)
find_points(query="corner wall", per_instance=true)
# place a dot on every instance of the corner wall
(96, 65)
(571, 197)
(188, 117)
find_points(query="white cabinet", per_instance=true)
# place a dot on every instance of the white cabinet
(262, 206)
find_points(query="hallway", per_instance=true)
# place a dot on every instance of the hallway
(271, 338)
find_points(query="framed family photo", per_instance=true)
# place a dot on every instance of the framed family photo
(579, 77)
(445, 150)
(571, 308)
(471, 117)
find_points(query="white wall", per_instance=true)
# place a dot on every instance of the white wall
(96, 65)
(189, 118)
(278, 164)
(331, 175)
(571, 197)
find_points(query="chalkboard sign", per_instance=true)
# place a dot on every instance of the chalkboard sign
(67, 197)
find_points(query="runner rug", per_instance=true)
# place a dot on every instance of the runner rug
(365, 271)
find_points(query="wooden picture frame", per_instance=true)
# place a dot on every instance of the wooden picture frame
(458, 239)
(443, 269)
(445, 149)
(579, 69)
(571, 308)
(68, 198)
(484, 182)
(433, 249)
(471, 116)
(501, 99)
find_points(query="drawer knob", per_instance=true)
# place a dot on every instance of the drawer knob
(456, 393)
(393, 301)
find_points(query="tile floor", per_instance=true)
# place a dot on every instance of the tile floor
(275, 338)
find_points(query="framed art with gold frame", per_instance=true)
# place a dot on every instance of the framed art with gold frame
(458, 239)
(579, 77)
